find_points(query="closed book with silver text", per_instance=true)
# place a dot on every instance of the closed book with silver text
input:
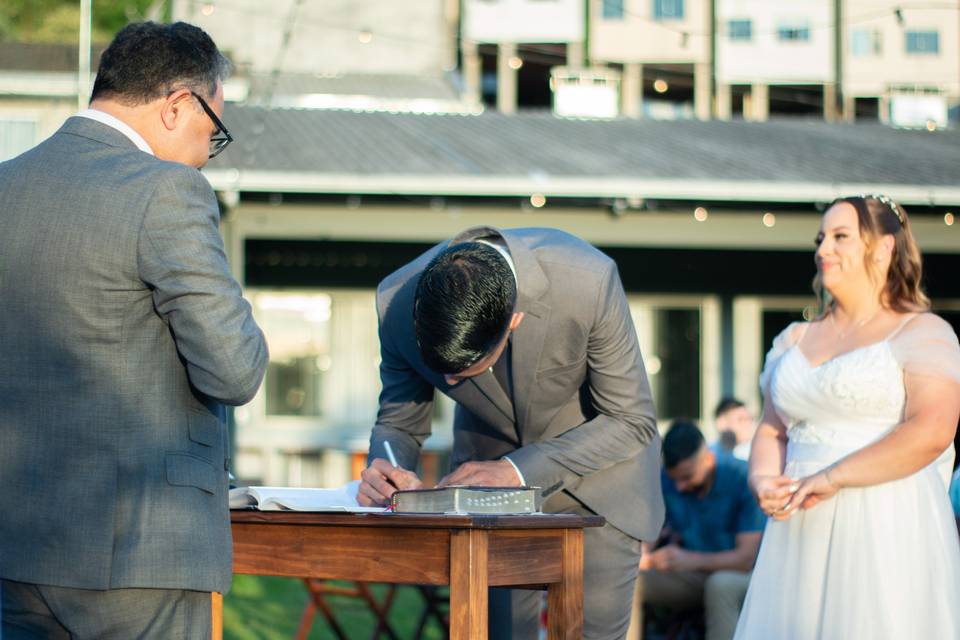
(469, 500)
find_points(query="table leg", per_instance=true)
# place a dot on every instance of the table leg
(565, 598)
(216, 605)
(468, 584)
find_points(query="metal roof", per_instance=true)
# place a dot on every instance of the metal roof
(328, 151)
(34, 57)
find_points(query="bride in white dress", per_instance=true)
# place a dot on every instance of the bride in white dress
(853, 455)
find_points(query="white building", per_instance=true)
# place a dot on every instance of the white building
(39, 89)
(510, 24)
(901, 61)
(762, 44)
(331, 37)
(711, 225)
(671, 35)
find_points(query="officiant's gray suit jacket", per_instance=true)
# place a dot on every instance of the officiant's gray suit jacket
(581, 417)
(122, 333)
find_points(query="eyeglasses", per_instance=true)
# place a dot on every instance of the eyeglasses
(221, 138)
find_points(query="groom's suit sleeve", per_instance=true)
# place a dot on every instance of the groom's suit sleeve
(406, 404)
(619, 392)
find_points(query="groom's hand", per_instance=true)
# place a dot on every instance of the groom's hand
(381, 480)
(497, 473)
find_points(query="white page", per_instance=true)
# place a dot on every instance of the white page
(300, 499)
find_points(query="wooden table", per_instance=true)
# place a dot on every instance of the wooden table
(469, 553)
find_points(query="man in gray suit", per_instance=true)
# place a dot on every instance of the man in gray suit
(530, 332)
(122, 336)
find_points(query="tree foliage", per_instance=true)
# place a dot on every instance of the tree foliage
(59, 20)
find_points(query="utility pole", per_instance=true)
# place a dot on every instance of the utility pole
(83, 68)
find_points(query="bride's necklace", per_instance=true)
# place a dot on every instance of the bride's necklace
(853, 326)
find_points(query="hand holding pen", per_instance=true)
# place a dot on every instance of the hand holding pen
(382, 478)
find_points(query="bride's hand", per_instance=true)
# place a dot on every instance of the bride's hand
(773, 492)
(812, 491)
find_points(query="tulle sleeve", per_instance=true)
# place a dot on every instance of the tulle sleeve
(927, 346)
(781, 344)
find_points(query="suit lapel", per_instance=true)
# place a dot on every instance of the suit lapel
(529, 337)
(483, 397)
(487, 383)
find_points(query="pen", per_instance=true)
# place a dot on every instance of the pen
(392, 458)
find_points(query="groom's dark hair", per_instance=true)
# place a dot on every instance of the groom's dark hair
(146, 61)
(463, 305)
(683, 440)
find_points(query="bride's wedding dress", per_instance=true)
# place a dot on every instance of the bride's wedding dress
(876, 562)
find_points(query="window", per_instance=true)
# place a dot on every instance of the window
(923, 42)
(740, 30)
(612, 9)
(16, 136)
(668, 9)
(678, 338)
(865, 42)
(298, 328)
(794, 32)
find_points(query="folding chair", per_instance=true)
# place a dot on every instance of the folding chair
(319, 589)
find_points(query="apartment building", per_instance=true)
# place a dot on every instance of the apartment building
(901, 61)
(509, 48)
(664, 50)
(775, 56)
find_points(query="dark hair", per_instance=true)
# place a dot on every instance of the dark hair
(878, 216)
(463, 305)
(147, 61)
(728, 403)
(727, 440)
(682, 441)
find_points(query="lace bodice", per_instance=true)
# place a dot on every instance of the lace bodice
(853, 397)
(856, 397)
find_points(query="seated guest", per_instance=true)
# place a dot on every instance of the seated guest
(735, 426)
(712, 534)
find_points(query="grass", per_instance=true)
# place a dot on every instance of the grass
(265, 608)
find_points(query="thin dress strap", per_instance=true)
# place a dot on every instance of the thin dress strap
(900, 326)
(803, 331)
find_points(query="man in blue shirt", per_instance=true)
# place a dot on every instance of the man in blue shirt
(710, 539)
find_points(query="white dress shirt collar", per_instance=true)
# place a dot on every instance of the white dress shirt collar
(501, 248)
(118, 124)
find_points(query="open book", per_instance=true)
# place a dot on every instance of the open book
(296, 499)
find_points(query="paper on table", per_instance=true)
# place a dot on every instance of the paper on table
(298, 499)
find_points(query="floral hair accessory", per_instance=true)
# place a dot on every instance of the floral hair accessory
(889, 202)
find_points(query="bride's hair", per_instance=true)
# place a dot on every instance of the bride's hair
(878, 216)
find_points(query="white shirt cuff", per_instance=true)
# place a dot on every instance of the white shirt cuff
(523, 482)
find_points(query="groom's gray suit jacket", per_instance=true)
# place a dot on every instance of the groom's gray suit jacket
(122, 333)
(581, 417)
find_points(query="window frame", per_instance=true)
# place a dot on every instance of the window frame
(915, 35)
(658, 13)
(733, 36)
